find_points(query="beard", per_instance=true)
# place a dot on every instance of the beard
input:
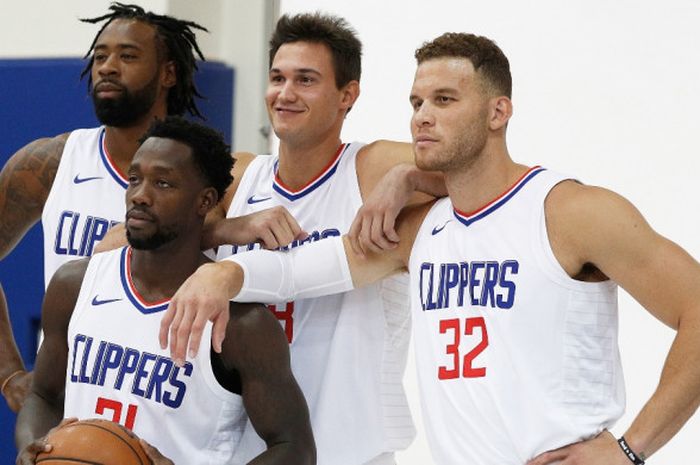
(128, 108)
(152, 242)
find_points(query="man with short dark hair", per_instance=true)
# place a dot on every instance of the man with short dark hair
(100, 356)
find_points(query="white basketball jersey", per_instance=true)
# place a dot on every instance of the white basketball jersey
(348, 351)
(117, 371)
(86, 199)
(514, 357)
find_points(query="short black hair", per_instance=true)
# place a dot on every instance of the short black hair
(488, 59)
(210, 152)
(332, 31)
(176, 40)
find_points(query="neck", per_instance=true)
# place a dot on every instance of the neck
(491, 174)
(157, 274)
(301, 163)
(122, 143)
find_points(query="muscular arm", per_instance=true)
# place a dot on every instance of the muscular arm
(44, 406)
(593, 226)
(205, 295)
(257, 349)
(25, 182)
(389, 180)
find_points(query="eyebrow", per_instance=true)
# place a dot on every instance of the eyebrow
(120, 46)
(296, 71)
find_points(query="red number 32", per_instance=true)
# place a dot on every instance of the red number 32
(468, 371)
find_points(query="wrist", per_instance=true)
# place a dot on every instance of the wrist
(635, 456)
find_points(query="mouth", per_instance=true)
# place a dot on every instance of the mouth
(287, 110)
(136, 218)
(106, 89)
(424, 141)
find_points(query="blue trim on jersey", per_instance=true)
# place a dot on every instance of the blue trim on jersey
(313, 185)
(467, 220)
(142, 307)
(110, 169)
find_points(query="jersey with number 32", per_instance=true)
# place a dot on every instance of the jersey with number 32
(514, 357)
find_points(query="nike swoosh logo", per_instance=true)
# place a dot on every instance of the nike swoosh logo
(437, 229)
(252, 199)
(96, 301)
(79, 180)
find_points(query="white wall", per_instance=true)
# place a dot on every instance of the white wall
(604, 90)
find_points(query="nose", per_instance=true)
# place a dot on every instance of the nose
(423, 116)
(139, 194)
(286, 91)
(108, 66)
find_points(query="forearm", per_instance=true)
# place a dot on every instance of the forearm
(36, 418)
(427, 182)
(676, 398)
(286, 453)
(10, 360)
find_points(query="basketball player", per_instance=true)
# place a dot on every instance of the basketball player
(140, 68)
(100, 356)
(513, 286)
(313, 83)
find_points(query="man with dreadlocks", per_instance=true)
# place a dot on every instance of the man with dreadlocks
(140, 68)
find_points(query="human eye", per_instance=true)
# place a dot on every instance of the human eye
(306, 80)
(444, 100)
(163, 183)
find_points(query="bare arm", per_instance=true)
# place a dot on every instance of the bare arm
(25, 182)
(205, 295)
(589, 225)
(389, 180)
(258, 350)
(44, 406)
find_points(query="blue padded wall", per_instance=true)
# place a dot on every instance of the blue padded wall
(44, 98)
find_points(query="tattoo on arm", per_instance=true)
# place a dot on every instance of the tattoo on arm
(25, 182)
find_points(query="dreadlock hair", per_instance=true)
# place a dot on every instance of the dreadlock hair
(210, 153)
(175, 41)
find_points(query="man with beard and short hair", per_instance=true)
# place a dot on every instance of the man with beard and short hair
(140, 68)
(101, 358)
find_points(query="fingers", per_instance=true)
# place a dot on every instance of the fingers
(28, 455)
(354, 234)
(165, 323)
(219, 331)
(180, 334)
(552, 456)
(154, 454)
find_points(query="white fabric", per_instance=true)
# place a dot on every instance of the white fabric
(348, 351)
(328, 257)
(542, 347)
(86, 199)
(114, 355)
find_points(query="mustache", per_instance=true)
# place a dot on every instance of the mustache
(141, 213)
(109, 83)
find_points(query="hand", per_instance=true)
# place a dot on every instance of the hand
(373, 226)
(17, 390)
(601, 450)
(154, 454)
(272, 228)
(27, 456)
(114, 239)
(203, 297)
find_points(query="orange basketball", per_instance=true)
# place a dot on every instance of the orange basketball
(94, 442)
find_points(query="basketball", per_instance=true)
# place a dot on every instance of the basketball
(94, 442)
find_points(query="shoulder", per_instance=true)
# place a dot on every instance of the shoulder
(587, 223)
(386, 152)
(241, 162)
(62, 293)
(253, 326)
(376, 158)
(38, 159)
(70, 275)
